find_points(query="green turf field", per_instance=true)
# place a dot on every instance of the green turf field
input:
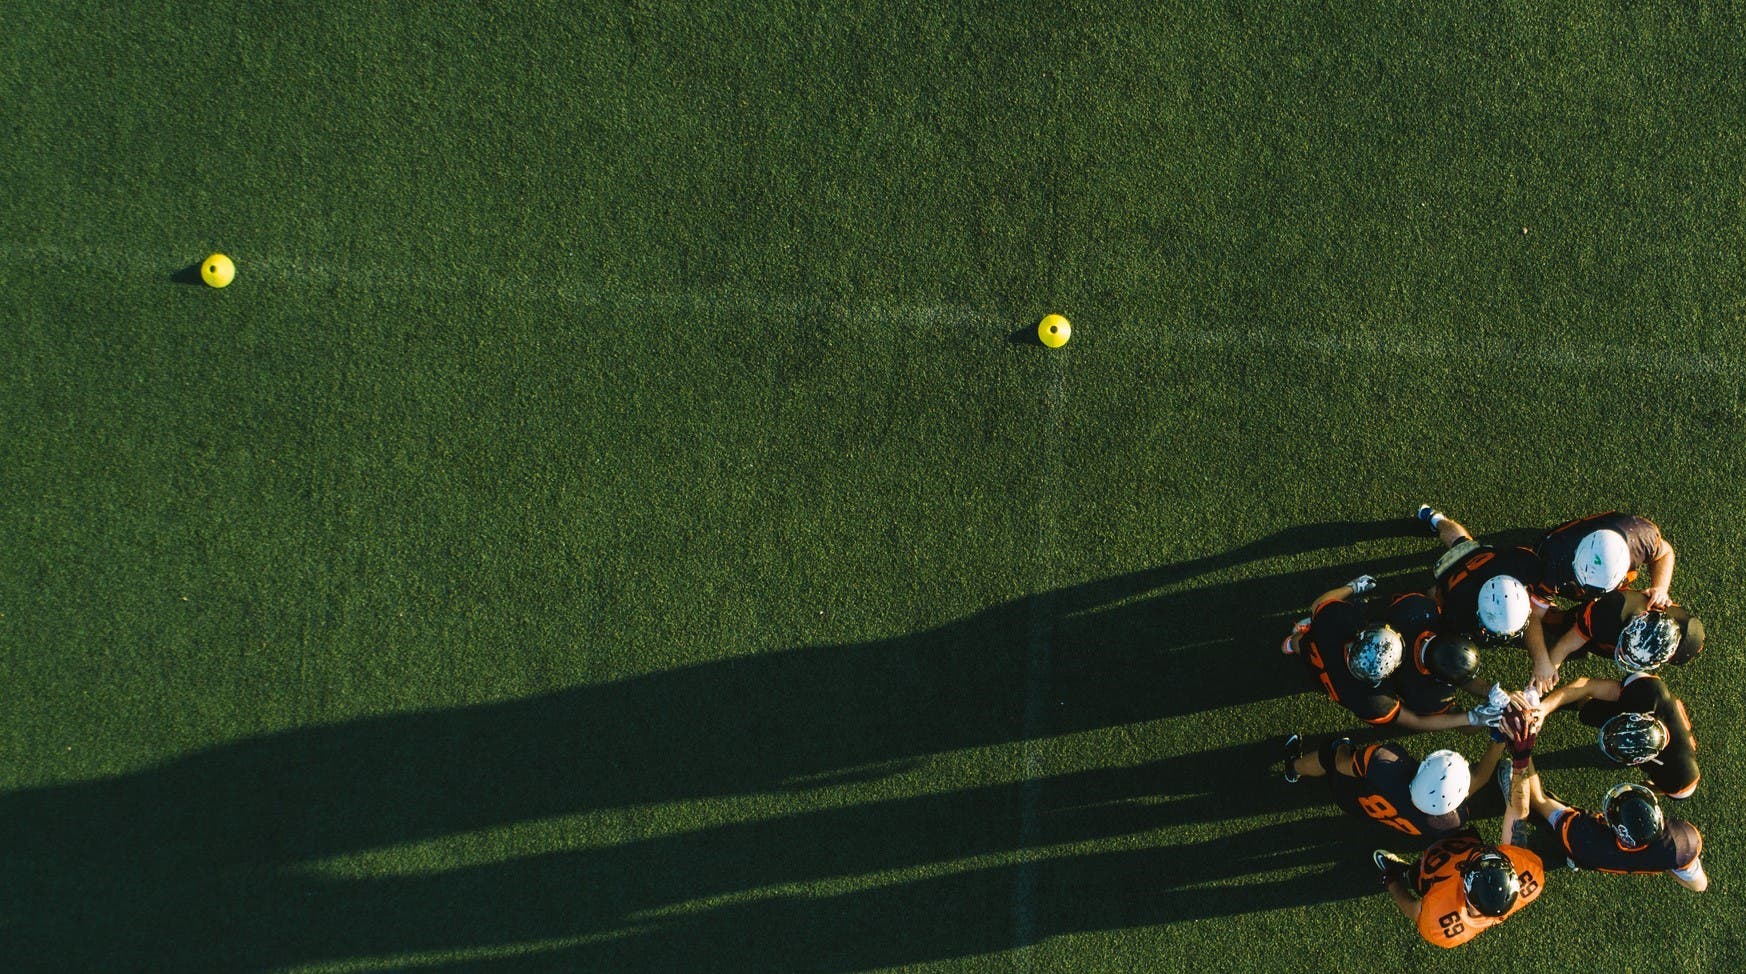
(614, 521)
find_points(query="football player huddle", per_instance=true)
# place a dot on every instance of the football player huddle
(1595, 586)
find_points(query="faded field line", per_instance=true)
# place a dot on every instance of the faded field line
(557, 283)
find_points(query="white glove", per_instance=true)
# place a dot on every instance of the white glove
(1496, 698)
(1362, 585)
(1485, 715)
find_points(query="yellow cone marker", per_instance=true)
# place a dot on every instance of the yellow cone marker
(217, 270)
(1054, 331)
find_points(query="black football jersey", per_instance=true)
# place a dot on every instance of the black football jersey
(1460, 585)
(1592, 844)
(1557, 549)
(1602, 619)
(1675, 770)
(1323, 650)
(1412, 614)
(1382, 792)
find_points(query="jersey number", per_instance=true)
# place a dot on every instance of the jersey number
(1315, 658)
(1382, 810)
(1451, 924)
(1528, 883)
(1468, 569)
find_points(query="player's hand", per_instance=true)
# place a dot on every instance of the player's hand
(1484, 715)
(1520, 734)
(1545, 677)
(1362, 585)
(1657, 596)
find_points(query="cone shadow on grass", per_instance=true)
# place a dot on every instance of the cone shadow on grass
(225, 859)
(188, 275)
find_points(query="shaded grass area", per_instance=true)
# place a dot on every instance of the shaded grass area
(605, 526)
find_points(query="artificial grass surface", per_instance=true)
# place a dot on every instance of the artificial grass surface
(607, 525)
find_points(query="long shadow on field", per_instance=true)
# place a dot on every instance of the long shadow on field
(205, 863)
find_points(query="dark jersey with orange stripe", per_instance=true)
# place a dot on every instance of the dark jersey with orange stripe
(1675, 770)
(1444, 918)
(1592, 844)
(1382, 792)
(1601, 620)
(1459, 586)
(1415, 616)
(1558, 548)
(1323, 650)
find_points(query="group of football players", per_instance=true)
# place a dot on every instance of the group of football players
(1598, 586)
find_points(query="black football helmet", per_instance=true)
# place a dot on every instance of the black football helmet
(1452, 659)
(1632, 738)
(1490, 882)
(1634, 814)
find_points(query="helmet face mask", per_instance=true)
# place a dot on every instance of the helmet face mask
(1373, 654)
(1490, 883)
(1646, 642)
(1632, 738)
(1634, 814)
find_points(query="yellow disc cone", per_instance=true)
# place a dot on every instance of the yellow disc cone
(217, 270)
(1054, 331)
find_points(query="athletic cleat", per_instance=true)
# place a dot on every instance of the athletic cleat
(1389, 865)
(1302, 627)
(1426, 514)
(1293, 751)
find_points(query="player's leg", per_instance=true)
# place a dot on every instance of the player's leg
(1448, 530)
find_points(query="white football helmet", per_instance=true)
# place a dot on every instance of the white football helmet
(1503, 607)
(1441, 784)
(1602, 559)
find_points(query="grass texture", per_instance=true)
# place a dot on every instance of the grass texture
(614, 521)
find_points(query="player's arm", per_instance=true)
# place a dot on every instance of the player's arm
(1660, 575)
(1546, 676)
(1431, 722)
(1579, 691)
(1486, 767)
(1534, 636)
(1486, 714)
(1362, 585)
(1514, 828)
(1520, 732)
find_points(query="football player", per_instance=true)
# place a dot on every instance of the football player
(1628, 835)
(1483, 591)
(1594, 555)
(1461, 886)
(1435, 664)
(1642, 724)
(1430, 799)
(1351, 659)
(1621, 625)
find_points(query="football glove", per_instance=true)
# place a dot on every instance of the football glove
(1518, 728)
